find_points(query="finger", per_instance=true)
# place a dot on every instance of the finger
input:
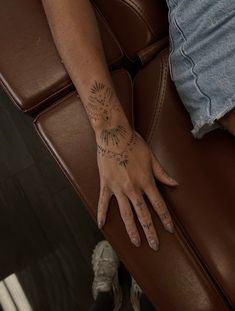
(128, 219)
(160, 207)
(145, 219)
(160, 173)
(103, 204)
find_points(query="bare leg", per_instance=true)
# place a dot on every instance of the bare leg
(228, 121)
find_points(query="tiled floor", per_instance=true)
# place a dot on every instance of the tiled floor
(46, 235)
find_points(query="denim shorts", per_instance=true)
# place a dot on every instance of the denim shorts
(202, 59)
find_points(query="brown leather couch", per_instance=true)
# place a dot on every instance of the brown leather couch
(194, 268)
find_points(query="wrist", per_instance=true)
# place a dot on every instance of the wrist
(118, 130)
(118, 120)
(104, 109)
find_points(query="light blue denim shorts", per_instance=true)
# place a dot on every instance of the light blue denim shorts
(202, 59)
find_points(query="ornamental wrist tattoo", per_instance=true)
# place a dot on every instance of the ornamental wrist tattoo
(121, 157)
(115, 140)
(102, 101)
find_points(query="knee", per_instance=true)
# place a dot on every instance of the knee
(228, 121)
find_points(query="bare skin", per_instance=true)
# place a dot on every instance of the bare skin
(127, 166)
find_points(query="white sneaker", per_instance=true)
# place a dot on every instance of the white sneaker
(135, 294)
(105, 265)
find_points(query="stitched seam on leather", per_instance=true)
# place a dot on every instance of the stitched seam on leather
(47, 99)
(44, 101)
(54, 105)
(148, 51)
(155, 104)
(159, 105)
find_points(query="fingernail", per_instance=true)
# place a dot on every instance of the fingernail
(174, 182)
(136, 242)
(170, 228)
(154, 245)
(100, 224)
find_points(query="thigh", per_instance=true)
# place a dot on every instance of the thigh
(228, 121)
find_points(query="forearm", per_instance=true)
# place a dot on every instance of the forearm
(75, 32)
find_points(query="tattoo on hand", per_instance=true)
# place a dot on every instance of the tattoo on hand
(147, 226)
(139, 204)
(101, 102)
(113, 135)
(121, 157)
(165, 216)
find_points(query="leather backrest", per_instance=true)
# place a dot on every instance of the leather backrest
(136, 23)
(31, 71)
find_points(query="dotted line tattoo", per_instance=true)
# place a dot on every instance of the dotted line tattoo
(122, 157)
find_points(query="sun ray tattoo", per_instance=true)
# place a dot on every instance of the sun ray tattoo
(122, 157)
(113, 135)
(101, 102)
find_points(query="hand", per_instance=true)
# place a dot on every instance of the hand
(127, 168)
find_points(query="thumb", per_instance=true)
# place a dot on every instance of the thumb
(160, 173)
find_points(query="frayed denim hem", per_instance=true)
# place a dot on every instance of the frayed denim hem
(203, 127)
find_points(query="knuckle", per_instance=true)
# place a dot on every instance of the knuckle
(145, 214)
(127, 214)
(132, 235)
(160, 205)
(161, 170)
(129, 226)
(165, 216)
(139, 204)
(130, 181)
(131, 231)
(130, 188)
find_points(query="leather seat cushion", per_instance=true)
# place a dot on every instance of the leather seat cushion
(173, 277)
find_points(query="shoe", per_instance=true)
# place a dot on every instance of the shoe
(105, 265)
(135, 294)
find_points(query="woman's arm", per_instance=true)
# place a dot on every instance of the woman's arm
(75, 31)
(126, 164)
